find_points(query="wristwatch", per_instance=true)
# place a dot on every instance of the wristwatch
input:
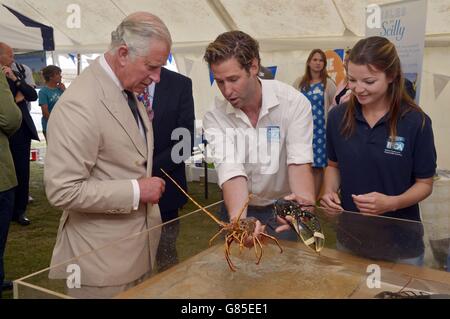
(17, 82)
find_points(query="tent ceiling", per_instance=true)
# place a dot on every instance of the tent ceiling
(193, 23)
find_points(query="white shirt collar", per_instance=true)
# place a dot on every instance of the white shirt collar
(110, 72)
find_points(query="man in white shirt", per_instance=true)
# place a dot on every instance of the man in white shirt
(99, 162)
(274, 117)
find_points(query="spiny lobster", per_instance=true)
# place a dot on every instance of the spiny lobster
(237, 230)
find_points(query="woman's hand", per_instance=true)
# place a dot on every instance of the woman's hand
(332, 203)
(374, 203)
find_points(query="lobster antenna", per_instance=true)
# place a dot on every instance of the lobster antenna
(245, 206)
(192, 199)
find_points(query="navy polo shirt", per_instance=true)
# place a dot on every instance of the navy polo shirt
(371, 162)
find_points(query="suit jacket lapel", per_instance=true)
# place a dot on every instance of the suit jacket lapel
(116, 103)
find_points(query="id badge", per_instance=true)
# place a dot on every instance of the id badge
(273, 134)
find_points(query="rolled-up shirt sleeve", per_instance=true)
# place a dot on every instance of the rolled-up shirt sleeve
(300, 132)
(221, 150)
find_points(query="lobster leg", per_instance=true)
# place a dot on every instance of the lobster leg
(256, 240)
(274, 239)
(228, 242)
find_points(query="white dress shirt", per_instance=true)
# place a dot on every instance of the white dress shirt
(282, 136)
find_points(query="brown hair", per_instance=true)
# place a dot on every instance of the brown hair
(380, 54)
(307, 77)
(233, 44)
(49, 71)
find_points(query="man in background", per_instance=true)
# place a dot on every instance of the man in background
(172, 108)
(20, 142)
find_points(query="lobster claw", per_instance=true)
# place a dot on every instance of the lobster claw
(310, 231)
(304, 223)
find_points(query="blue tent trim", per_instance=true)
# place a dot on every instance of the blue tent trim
(340, 53)
(48, 42)
(273, 69)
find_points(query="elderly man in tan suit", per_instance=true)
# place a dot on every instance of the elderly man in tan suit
(99, 162)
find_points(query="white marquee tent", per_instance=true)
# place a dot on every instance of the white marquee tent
(286, 29)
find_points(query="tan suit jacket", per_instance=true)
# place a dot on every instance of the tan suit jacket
(94, 150)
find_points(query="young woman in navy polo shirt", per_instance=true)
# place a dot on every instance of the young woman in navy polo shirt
(381, 159)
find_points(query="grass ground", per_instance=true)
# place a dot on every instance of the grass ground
(29, 248)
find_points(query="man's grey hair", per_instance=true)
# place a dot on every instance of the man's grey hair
(137, 30)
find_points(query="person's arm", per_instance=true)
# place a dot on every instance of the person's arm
(424, 168)
(231, 175)
(10, 114)
(235, 195)
(72, 152)
(332, 176)
(331, 92)
(301, 183)
(185, 119)
(331, 183)
(28, 92)
(377, 203)
(299, 150)
(341, 86)
(45, 112)
(43, 103)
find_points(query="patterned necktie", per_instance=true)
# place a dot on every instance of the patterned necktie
(133, 106)
(146, 99)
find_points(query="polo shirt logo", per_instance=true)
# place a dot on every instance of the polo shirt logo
(395, 145)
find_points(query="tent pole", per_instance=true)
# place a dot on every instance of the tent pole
(78, 64)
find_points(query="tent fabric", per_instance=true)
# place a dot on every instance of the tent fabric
(17, 35)
(46, 32)
(278, 25)
(287, 30)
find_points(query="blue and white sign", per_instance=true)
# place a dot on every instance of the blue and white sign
(403, 23)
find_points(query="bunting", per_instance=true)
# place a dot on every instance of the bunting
(440, 82)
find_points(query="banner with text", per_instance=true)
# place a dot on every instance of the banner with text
(403, 23)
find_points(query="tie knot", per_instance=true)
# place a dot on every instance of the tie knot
(129, 94)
